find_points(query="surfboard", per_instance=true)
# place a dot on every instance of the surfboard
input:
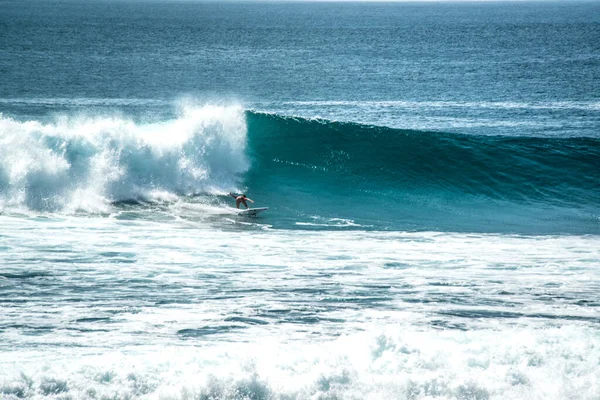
(253, 211)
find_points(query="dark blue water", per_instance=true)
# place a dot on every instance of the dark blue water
(541, 51)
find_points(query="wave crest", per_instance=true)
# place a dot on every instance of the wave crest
(87, 163)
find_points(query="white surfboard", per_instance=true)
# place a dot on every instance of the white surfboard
(253, 211)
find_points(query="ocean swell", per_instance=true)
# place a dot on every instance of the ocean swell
(311, 173)
(417, 180)
(498, 167)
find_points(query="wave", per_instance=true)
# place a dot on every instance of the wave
(373, 157)
(306, 170)
(508, 118)
(86, 163)
(412, 179)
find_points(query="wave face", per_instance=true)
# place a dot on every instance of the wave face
(403, 179)
(82, 163)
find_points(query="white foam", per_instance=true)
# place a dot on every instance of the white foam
(330, 222)
(88, 162)
(141, 309)
(383, 363)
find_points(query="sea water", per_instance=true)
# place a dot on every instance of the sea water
(432, 175)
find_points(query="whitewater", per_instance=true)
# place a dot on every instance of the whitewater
(122, 308)
(127, 274)
(83, 164)
(431, 176)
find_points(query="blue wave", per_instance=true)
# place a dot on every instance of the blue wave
(403, 179)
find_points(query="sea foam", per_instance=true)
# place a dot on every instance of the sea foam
(85, 163)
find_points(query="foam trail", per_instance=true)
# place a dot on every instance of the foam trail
(83, 163)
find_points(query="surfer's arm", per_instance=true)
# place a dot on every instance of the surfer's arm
(233, 195)
(250, 200)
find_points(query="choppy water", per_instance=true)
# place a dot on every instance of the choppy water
(431, 173)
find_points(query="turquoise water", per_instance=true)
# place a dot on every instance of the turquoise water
(393, 179)
(431, 173)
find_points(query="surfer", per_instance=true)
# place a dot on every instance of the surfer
(241, 199)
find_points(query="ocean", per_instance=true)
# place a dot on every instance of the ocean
(432, 172)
